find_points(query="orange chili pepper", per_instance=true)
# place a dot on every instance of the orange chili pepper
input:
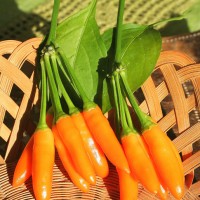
(23, 169)
(128, 186)
(105, 137)
(162, 193)
(139, 161)
(190, 176)
(178, 158)
(42, 163)
(93, 150)
(165, 160)
(49, 118)
(68, 163)
(74, 144)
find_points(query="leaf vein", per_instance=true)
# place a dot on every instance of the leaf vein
(82, 32)
(128, 45)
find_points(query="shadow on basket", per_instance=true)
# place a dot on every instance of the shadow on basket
(171, 96)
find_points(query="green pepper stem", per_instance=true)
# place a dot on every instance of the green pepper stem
(71, 106)
(65, 73)
(86, 101)
(125, 128)
(53, 88)
(119, 31)
(42, 119)
(144, 119)
(116, 105)
(127, 112)
(52, 33)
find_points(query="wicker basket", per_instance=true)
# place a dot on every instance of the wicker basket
(171, 96)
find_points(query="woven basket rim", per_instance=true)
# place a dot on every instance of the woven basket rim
(188, 70)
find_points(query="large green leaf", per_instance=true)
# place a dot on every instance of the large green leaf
(140, 54)
(141, 47)
(86, 50)
(82, 43)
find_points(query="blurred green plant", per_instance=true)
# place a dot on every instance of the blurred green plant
(190, 23)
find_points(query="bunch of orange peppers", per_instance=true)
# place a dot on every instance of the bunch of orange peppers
(85, 140)
(153, 159)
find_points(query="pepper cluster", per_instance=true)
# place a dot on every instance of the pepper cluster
(83, 138)
(153, 160)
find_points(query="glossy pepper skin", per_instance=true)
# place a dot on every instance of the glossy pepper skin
(65, 157)
(73, 142)
(23, 169)
(139, 161)
(105, 137)
(166, 160)
(67, 162)
(162, 192)
(42, 163)
(93, 150)
(128, 186)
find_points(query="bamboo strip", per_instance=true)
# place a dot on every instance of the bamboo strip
(174, 57)
(191, 163)
(151, 96)
(195, 188)
(187, 137)
(8, 46)
(177, 95)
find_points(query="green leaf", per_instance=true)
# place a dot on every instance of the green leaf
(141, 47)
(86, 51)
(192, 17)
(140, 54)
(82, 43)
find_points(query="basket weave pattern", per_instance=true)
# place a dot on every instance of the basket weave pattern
(14, 57)
(175, 70)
